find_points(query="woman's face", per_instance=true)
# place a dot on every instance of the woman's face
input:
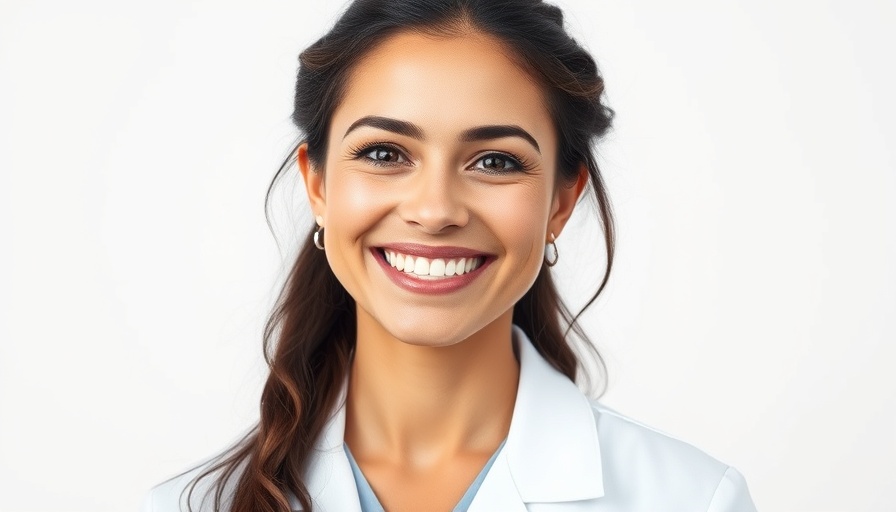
(438, 192)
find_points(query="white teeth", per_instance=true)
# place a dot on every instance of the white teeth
(424, 267)
(421, 266)
(437, 268)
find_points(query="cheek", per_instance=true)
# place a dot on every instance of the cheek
(518, 216)
(354, 204)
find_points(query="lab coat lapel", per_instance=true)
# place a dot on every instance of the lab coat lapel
(552, 454)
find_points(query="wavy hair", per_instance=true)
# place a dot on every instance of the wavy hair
(310, 335)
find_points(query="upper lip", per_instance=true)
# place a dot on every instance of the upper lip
(431, 252)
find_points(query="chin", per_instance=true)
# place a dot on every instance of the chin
(426, 333)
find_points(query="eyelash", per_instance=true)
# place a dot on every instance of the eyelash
(521, 164)
(361, 152)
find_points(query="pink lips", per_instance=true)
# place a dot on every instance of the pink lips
(416, 284)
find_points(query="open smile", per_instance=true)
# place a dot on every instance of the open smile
(431, 270)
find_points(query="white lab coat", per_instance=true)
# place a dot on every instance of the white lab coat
(564, 453)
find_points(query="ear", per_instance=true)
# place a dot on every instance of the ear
(314, 183)
(565, 198)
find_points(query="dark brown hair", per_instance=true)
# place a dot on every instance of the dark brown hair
(309, 338)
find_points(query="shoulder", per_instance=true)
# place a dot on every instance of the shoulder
(173, 494)
(642, 464)
(170, 495)
(619, 434)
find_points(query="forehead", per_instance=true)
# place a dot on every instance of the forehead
(445, 85)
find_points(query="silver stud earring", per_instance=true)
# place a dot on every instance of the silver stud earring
(551, 255)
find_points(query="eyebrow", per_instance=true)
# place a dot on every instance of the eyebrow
(478, 133)
(390, 125)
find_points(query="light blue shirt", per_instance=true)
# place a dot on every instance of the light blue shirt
(370, 503)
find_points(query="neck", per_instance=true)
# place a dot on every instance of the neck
(416, 403)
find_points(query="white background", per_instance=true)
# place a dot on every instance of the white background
(751, 311)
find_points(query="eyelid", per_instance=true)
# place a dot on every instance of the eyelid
(522, 165)
(360, 152)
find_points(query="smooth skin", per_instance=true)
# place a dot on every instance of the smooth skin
(434, 377)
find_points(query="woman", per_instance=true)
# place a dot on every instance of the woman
(418, 356)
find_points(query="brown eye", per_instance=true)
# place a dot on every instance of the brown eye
(497, 163)
(384, 154)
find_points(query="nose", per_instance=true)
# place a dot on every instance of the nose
(433, 202)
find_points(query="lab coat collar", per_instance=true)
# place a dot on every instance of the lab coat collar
(551, 454)
(552, 447)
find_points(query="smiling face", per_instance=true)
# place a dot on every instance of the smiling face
(438, 191)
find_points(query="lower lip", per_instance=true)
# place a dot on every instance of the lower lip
(438, 286)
